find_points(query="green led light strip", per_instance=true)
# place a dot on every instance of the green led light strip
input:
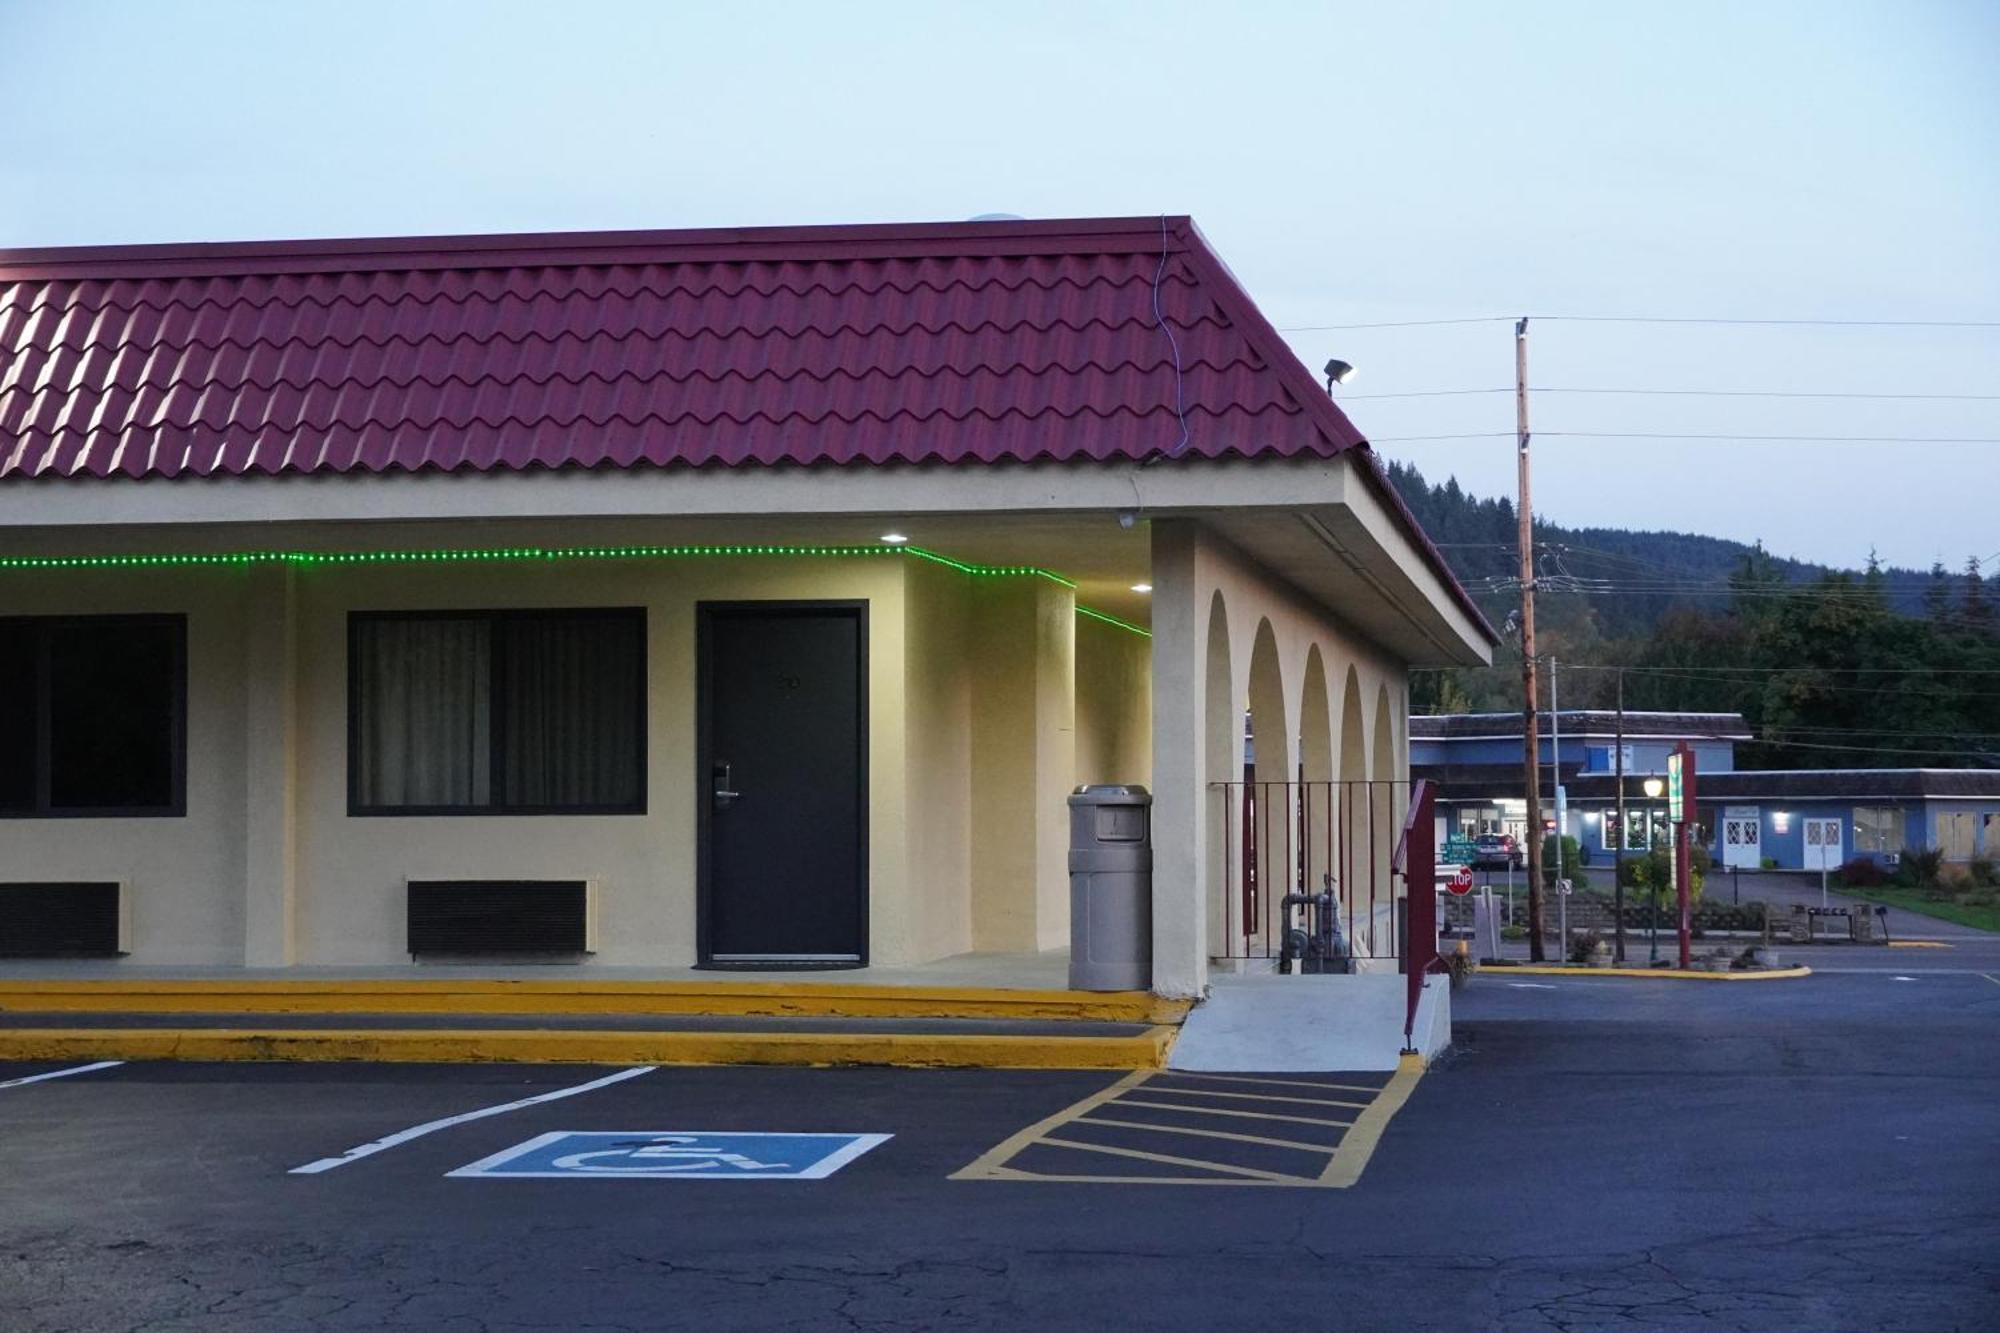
(307, 559)
(1114, 620)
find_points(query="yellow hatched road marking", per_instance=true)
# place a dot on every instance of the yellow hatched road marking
(989, 1162)
(1323, 1148)
(1243, 1115)
(1274, 1082)
(1257, 1097)
(1345, 1161)
(1247, 1172)
(1358, 1144)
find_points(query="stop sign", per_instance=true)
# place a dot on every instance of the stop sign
(1461, 880)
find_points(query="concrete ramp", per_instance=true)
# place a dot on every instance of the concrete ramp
(1268, 1024)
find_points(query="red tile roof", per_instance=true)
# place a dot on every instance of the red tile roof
(984, 342)
(970, 342)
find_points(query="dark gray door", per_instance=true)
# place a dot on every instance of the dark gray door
(783, 731)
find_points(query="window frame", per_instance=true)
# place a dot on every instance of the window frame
(44, 759)
(496, 694)
(1895, 827)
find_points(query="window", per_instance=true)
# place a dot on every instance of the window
(92, 715)
(1636, 830)
(1955, 836)
(497, 712)
(1878, 828)
(1992, 848)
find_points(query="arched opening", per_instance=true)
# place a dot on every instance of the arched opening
(1222, 731)
(1268, 771)
(1350, 861)
(1316, 794)
(1382, 798)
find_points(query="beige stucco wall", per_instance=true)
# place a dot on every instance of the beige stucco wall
(1114, 704)
(184, 875)
(1200, 580)
(268, 867)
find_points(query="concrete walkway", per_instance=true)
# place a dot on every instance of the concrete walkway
(1273, 1024)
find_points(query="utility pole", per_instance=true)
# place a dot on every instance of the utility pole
(1531, 739)
(1618, 863)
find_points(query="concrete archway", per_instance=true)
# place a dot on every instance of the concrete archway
(1270, 737)
(1382, 796)
(1350, 866)
(1222, 739)
(1316, 768)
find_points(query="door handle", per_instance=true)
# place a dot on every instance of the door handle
(720, 787)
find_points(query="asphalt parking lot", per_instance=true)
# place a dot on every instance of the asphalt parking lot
(1597, 1154)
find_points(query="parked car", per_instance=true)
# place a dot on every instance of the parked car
(1497, 851)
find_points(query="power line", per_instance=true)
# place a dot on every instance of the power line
(1685, 393)
(1712, 435)
(1823, 439)
(1802, 323)
(1661, 319)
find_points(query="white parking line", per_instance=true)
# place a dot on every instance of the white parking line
(61, 1073)
(418, 1131)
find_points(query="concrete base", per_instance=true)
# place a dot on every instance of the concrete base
(1309, 1024)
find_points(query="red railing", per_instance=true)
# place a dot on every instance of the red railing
(1281, 847)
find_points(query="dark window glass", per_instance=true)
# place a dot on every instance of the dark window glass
(90, 715)
(526, 712)
(18, 707)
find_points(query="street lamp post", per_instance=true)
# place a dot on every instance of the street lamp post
(1653, 788)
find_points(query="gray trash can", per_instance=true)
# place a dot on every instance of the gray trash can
(1110, 888)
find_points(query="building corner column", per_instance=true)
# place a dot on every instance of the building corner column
(1180, 948)
(270, 747)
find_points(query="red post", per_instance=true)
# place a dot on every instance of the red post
(1418, 858)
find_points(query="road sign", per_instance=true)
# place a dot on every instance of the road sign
(1460, 881)
(674, 1155)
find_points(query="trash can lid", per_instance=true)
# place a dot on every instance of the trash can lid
(1111, 793)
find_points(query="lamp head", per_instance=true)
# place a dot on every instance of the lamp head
(1337, 372)
(1654, 787)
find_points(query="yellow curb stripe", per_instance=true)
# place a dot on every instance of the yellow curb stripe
(1357, 1146)
(1655, 973)
(581, 996)
(1919, 944)
(1145, 1051)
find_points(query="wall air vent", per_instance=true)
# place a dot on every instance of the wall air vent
(502, 916)
(76, 919)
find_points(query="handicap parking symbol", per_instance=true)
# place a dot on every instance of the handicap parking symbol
(674, 1155)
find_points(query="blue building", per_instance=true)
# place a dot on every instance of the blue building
(1790, 819)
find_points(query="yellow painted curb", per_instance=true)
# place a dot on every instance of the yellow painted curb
(775, 999)
(1918, 944)
(1655, 973)
(1147, 1050)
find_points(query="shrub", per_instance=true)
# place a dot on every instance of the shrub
(1922, 865)
(1980, 870)
(1862, 873)
(1768, 863)
(1584, 943)
(1568, 866)
(1513, 932)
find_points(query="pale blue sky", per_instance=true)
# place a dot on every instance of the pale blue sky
(1353, 163)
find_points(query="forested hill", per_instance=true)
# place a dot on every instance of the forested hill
(1830, 668)
(1631, 579)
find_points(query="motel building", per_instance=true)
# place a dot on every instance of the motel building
(643, 602)
(1749, 819)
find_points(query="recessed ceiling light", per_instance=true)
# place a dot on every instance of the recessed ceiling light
(1142, 587)
(894, 538)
